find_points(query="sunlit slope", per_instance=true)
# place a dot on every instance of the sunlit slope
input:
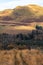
(6, 12)
(22, 13)
(19, 28)
(24, 28)
(5, 15)
(38, 10)
(29, 13)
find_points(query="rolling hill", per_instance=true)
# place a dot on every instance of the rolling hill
(6, 12)
(29, 13)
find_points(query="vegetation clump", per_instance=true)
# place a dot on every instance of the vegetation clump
(9, 41)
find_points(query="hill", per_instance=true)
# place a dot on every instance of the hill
(6, 12)
(29, 13)
(38, 10)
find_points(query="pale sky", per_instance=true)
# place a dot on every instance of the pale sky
(6, 4)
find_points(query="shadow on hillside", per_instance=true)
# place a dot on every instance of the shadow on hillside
(22, 47)
(16, 47)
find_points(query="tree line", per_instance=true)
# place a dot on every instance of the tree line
(9, 41)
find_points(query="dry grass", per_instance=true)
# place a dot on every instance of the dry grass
(21, 57)
(6, 12)
(19, 28)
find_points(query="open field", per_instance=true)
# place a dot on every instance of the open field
(21, 57)
(13, 27)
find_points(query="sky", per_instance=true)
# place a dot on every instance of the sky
(10, 4)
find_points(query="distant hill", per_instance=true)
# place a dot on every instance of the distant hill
(5, 12)
(29, 13)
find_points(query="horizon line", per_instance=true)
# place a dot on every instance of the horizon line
(21, 5)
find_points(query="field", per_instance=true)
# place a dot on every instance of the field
(20, 27)
(21, 57)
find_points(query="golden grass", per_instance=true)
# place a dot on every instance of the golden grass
(6, 12)
(24, 28)
(19, 28)
(21, 57)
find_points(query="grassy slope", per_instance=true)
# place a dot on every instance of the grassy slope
(38, 10)
(21, 13)
(28, 12)
(6, 12)
(19, 28)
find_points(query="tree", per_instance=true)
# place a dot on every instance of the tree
(38, 27)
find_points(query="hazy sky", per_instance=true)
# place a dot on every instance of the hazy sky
(6, 4)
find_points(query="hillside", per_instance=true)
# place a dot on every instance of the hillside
(22, 13)
(38, 10)
(6, 12)
(29, 13)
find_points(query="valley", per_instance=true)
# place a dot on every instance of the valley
(17, 27)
